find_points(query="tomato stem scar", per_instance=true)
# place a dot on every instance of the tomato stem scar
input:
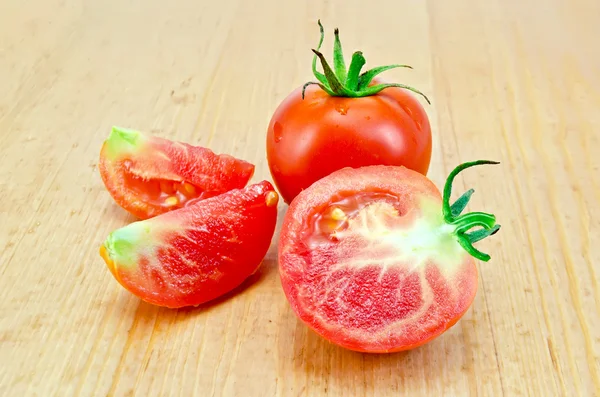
(464, 223)
(348, 82)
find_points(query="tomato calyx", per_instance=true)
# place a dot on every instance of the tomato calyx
(342, 82)
(463, 223)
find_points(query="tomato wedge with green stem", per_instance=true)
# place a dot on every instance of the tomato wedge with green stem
(375, 259)
(148, 176)
(345, 118)
(197, 253)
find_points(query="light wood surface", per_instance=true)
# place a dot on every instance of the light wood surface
(514, 81)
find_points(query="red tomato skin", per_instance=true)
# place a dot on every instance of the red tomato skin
(195, 254)
(310, 138)
(294, 254)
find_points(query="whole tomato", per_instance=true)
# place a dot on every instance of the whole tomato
(345, 119)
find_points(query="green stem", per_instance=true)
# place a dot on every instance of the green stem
(318, 75)
(338, 57)
(473, 251)
(356, 64)
(468, 221)
(368, 76)
(379, 87)
(480, 234)
(464, 223)
(335, 85)
(460, 204)
(448, 185)
(315, 83)
(343, 82)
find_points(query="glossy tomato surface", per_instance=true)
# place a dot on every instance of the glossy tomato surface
(310, 138)
(367, 261)
(197, 253)
(148, 175)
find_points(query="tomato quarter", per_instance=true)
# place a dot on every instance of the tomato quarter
(345, 119)
(374, 259)
(197, 253)
(148, 175)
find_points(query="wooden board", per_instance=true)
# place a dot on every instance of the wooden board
(514, 81)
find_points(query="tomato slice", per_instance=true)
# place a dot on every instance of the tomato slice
(148, 175)
(197, 253)
(369, 261)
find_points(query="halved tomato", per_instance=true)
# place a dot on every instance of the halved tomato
(148, 175)
(374, 260)
(196, 253)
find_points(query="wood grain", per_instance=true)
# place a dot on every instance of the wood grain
(513, 81)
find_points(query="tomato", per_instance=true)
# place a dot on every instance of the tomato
(374, 259)
(197, 253)
(345, 120)
(148, 175)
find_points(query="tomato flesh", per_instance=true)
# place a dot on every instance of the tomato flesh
(198, 253)
(148, 176)
(334, 217)
(307, 139)
(367, 261)
(165, 193)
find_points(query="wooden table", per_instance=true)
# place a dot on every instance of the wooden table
(514, 81)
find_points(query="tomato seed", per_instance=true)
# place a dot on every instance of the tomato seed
(188, 189)
(337, 214)
(271, 198)
(171, 201)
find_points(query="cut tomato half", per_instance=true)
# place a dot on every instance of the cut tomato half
(375, 260)
(148, 175)
(197, 253)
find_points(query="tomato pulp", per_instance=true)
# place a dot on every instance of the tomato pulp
(345, 119)
(375, 260)
(196, 253)
(148, 175)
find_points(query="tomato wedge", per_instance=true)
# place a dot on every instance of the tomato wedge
(148, 175)
(375, 260)
(197, 253)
